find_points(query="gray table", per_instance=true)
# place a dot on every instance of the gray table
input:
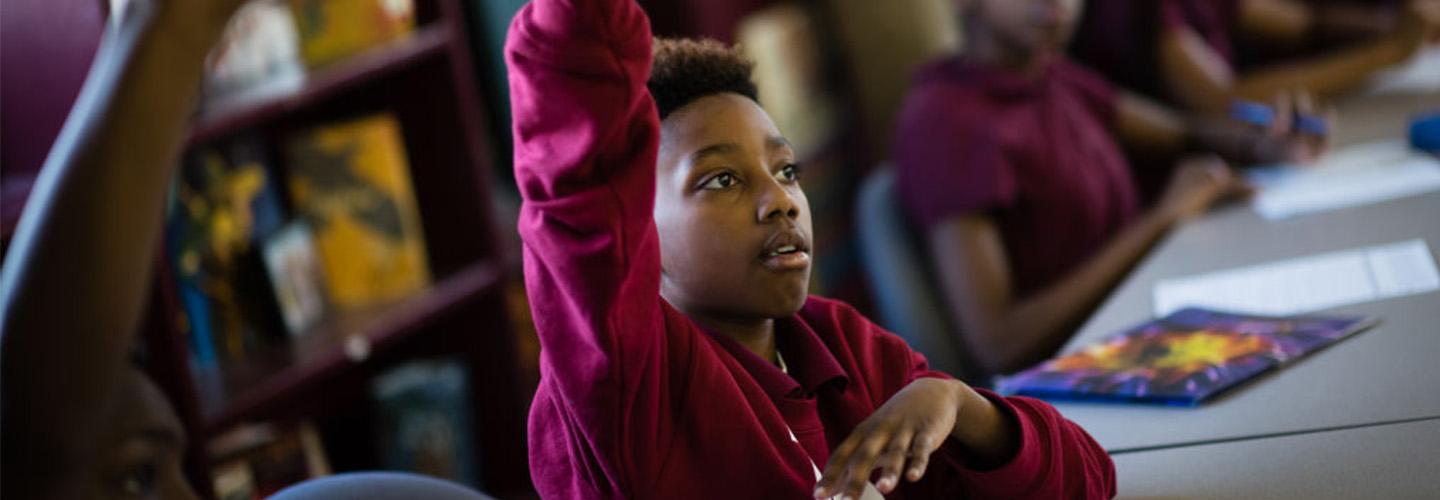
(1386, 461)
(1385, 374)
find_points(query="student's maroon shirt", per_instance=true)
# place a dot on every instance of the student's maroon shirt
(635, 400)
(1035, 153)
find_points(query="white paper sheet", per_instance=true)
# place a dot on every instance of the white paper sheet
(1357, 175)
(1305, 284)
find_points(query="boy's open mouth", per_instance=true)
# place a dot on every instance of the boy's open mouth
(786, 251)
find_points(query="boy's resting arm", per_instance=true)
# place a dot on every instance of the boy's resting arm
(1054, 458)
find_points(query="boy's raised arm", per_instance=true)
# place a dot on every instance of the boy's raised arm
(73, 287)
(586, 135)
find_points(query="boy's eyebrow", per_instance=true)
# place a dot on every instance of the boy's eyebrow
(713, 149)
(772, 142)
(777, 142)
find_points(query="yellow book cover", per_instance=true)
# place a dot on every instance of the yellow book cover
(331, 30)
(351, 180)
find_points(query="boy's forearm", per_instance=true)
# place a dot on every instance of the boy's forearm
(81, 257)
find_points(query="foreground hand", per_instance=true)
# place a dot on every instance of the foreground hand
(900, 435)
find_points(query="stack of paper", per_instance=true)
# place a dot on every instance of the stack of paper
(1358, 175)
(1306, 284)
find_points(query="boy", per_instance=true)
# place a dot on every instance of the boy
(667, 259)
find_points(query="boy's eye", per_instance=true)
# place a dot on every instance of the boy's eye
(138, 480)
(721, 181)
(789, 172)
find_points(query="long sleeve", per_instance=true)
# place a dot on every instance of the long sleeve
(1057, 459)
(586, 135)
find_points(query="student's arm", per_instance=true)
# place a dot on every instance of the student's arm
(1006, 333)
(1150, 128)
(935, 437)
(1292, 23)
(586, 137)
(75, 277)
(1204, 81)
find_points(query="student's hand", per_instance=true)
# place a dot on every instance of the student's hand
(1196, 185)
(1300, 133)
(898, 437)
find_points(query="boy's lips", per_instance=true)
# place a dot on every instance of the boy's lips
(786, 262)
(785, 251)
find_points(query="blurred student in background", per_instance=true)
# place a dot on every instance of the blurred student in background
(1203, 54)
(77, 420)
(1010, 159)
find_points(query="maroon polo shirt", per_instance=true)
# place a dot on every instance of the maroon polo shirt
(813, 374)
(1034, 153)
(635, 400)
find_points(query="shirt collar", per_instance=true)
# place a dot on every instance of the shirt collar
(812, 365)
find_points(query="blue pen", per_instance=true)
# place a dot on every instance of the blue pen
(1261, 115)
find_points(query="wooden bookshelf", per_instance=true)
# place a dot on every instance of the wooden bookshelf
(427, 81)
(427, 42)
(272, 382)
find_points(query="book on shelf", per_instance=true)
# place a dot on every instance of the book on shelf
(350, 181)
(331, 30)
(293, 265)
(223, 204)
(424, 419)
(258, 56)
(1183, 359)
(257, 460)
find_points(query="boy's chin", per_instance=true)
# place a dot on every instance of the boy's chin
(788, 304)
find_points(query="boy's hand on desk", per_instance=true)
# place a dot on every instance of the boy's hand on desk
(901, 435)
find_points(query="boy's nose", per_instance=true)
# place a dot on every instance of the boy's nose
(777, 202)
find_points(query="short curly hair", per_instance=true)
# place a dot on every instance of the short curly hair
(687, 69)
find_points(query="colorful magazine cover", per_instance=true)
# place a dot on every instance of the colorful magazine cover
(331, 30)
(1182, 359)
(223, 202)
(350, 181)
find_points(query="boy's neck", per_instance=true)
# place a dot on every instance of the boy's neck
(758, 336)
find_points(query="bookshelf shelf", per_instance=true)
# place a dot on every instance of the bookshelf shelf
(427, 42)
(253, 389)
